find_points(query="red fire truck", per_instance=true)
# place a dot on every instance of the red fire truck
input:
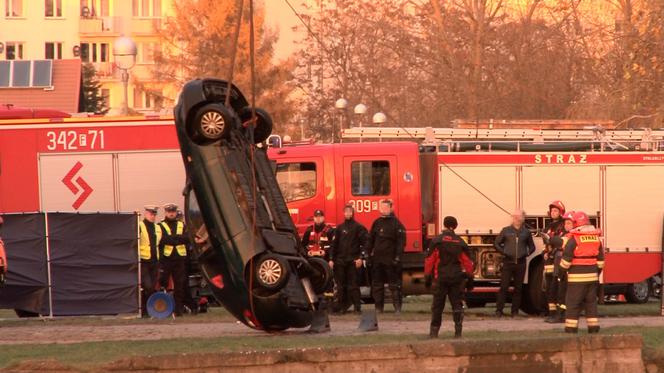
(121, 164)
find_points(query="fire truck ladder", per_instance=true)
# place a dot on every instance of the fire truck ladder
(639, 139)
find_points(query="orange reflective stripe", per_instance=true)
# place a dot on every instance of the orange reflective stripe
(584, 261)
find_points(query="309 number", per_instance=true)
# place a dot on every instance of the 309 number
(364, 205)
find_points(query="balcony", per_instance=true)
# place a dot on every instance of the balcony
(100, 26)
(105, 70)
(145, 26)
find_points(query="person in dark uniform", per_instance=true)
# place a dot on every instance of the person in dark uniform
(148, 246)
(446, 251)
(555, 228)
(346, 254)
(557, 244)
(385, 247)
(583, 259)
(318, 236)
(173, 255)
(516, 244)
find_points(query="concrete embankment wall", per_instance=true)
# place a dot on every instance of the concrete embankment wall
(586, 354)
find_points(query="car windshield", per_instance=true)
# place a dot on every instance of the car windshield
(297, 180)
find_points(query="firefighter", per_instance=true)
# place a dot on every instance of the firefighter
(318, 236)
(385, 247)
(148, 244)
(583, 259)
(445, 256)
(557, 244)
(553, 229)
(516, 244)
(3, 258)
(173, 255)
(346, 254)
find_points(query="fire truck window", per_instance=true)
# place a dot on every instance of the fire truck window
(297, 180)
(370, 178)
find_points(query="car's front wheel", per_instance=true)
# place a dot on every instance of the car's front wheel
(211, 123)
(271, 272)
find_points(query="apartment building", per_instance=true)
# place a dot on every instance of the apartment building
(86, 30)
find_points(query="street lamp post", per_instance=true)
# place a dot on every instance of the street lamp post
(341, 105)
(360, 111)
(379, 119)
(124, 53)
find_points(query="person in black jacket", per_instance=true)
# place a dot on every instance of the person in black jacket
(387, 239)
(515, 243)
(451, 277)
(346, 253)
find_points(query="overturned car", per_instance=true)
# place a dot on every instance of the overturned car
(246, 242)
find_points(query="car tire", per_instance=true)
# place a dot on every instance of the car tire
(321, 280)
(264, 124)
(271, 272)
(534, 299)
(638, 293)
(211, 123)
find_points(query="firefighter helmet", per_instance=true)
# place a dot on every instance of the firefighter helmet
(580, 218)
(559, 205)
(569, 216)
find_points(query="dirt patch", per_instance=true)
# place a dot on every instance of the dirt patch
(51, 332)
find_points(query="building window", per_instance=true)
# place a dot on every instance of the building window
(13, 51)
(297, 180)
(53, 8)
(146, 52)
(95, 8)
(146, 8)
(94, 52)
(53, 51)
(106, 94)
(13, 8)
(370, 178)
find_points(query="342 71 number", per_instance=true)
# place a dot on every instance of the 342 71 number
(73, 140)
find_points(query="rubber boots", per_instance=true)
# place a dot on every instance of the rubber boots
(458, 324)
(553, 318)
(433, 331)
(396, 301)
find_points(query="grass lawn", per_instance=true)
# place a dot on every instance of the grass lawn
(96, 353)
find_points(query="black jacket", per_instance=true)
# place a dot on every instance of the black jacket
(387, 239)
(449, 246)
(350, 240)
(555, 228)
(318, 228)
(515, 244)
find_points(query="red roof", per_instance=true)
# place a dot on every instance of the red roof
(63, 96)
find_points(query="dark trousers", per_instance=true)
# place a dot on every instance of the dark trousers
(380, 275)
(345, 276)
(177, 268)
(452, 290)
(511, 273)
(581, 296)
(149, 273)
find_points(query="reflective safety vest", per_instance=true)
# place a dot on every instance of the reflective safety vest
(168, 249)
(319, 242)
(587, 248)
(144, 241)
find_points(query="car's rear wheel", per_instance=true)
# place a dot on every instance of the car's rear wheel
(264, 124)
(271, 272)
(211, 123)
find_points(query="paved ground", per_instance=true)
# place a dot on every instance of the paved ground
(51, 332)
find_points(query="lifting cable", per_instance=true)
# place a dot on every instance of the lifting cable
(328, 55)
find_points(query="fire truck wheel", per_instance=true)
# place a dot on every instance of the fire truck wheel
(534, 299)
(211, 123)
(321, 280)
(271, 272)
(639, 293)
(264, 123)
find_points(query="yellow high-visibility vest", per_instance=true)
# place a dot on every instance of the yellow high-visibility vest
(168, 249)
(144, 241)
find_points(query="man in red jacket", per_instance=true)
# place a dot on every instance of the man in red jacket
(444, 262)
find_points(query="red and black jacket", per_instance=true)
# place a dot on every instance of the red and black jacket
(448, 258)
(583, 255)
